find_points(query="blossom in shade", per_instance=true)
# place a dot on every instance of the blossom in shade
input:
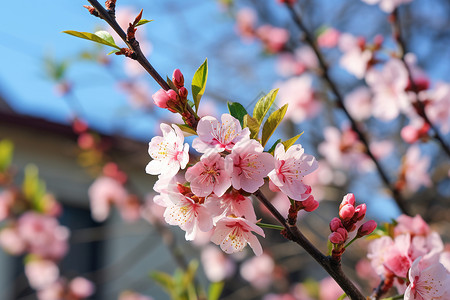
(233, 234)
(104, 192)
(430, 283)
(299, 94)
(168, 152)
(259, 271)
(248, 165)
(387, 6)
(209, 176)
(290, 168)
(217, 265)
(217, 137)
(234, 203)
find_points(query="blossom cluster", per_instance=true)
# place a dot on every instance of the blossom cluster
(214, 196)
(413, 259)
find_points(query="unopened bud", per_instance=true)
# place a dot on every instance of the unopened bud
(336, 238)
(348, 199)
(360, 211)
(310, 204)
(335, 224)
(178, 78)
(160, 98)
(172, 95)
(367, 228)
(346, 212)
(343, 232)
(409, 134)
(183, 92)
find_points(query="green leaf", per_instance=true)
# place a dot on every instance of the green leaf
(33, 188)
(6, 154)
(142, 22)
(113, 51)
(272, 123)
(237, 111)
(263, 105)
(171, 84)
(272, 149)
(291, 141)
(342, 297)
(101, 37)
(187, 129)
(215, 290)
(253, 125)
(164, 280)
(199, 83)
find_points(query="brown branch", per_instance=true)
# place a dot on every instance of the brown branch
(332, 266)
(340, 104)
(418, 105)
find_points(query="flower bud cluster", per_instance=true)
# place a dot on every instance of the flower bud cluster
(349, 215)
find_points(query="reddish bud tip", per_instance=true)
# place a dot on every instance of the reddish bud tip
(336, 238)
(346, 212)
(360, 211)
(178, 78)
(335, 224)
(348, 199)
(367, 228)
(310, 204)
(183, 92)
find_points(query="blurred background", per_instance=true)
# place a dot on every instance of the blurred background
(77, 115)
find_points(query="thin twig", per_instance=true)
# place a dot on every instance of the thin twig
(332, 266)
(417, 103)
(340, 103)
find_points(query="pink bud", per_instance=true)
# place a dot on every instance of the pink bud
(367, 228)
(360, 211)
(336, 238)
(160, 98)
(183, 92)
(348, 199)
(346, 212)
(178, 78)
(343, 233)
(310, 204)
(172, 95)
(335, 224)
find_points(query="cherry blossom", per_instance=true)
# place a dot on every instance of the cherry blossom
(437, 109)
(430, 283)
(233, 234)
(41, 273)
(245, 23)
(329, 38)
(217, 265)
(388, 86)
(217, 137)
(359, 103)
(236, 204)
(415, 169)
(209, 176)
(299, 94)
(259, 271)
(168, 152)
(387, 6)
(273, 38)
(355, 58)
(412, 225)
(81, 287)
(248, 165)
(104, 192)
(296, 63)
(290, 168)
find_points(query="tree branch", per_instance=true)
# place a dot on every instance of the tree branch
(332, 266)
(417, 103)
(340, 104)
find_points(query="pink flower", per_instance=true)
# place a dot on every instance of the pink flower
(213, 136)
(178, 78)
(273, 38)
(416, 169)
(355, 58)
(168, 152)
(377, 250)
(233, 234)
(104, 192)
(11, 241)
(162, 97)
(259, 271)
(41, 273)
(54, 291)
(248, 165)
(209, 176)
(245, 23)
(412, 225)
(359, 103)
(6, 202)
(191, 213)
(290, 168)
(430, 283)
(329, 289)
(217, 265)
(437, 109)
(299, 94)
(81, 287)
(298, 62)
(234, 203)
(388, 86)
(329, 38)
(387, 6)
